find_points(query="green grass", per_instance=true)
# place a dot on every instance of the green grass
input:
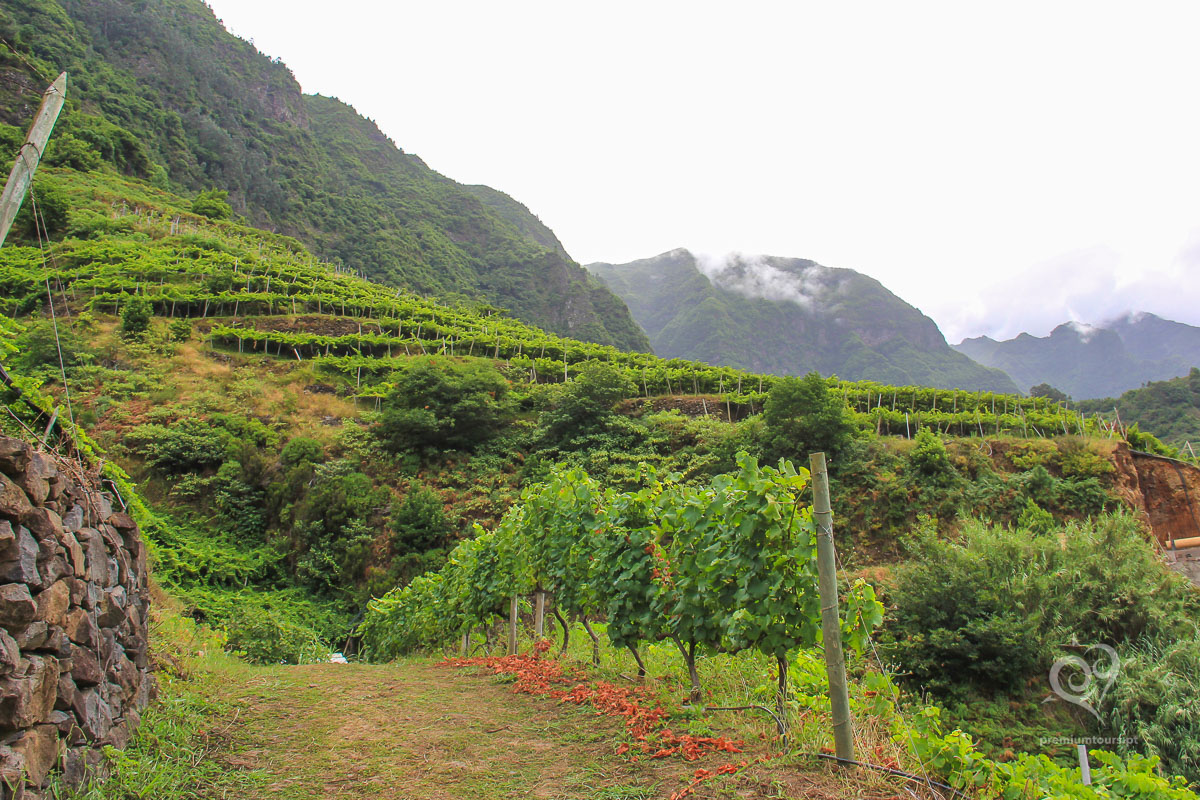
(173, 754)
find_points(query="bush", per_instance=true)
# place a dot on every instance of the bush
(213, 204)
(136, 315)
(39, 347)
(52, 206)
(803, 416)
(439, 404)
(929, 462)
(419, 523)
(586, 403)
(188, 445)
(989, 613)
(181, 330)
(267, 635)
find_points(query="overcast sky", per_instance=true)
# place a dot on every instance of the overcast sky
(1004, 167)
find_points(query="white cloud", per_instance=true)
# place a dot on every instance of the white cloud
(754, 276)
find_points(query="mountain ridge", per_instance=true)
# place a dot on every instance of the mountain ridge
(751, 311)
(1094, 361)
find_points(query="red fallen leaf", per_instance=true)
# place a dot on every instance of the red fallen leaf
(727, 769)
(827, 751)
(623, 749)
(701, 774)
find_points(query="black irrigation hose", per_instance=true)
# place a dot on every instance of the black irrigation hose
(897, 772)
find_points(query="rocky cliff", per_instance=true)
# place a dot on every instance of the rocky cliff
(74, 596)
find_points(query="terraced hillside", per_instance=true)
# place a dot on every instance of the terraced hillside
(306, 440)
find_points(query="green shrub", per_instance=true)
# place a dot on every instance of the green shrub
(44, 215)
(136, 315)
(989, 613)
(302, 450)
(1035, 519)
(438, 404)
(267, 635)
(180, 330)
(803, 416)
(188, 445)
(929, 462)
(419, 523)
(1156, 701)
(213, 203)
(39, 346)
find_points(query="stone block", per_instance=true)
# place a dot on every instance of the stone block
(97, 561)
(112, 608)
(53, 602)
(21, 565)
(17, 608)
(74, 553)
(85, 667)
(32, 637)
(92, 714)
(39, 748)
(73, 518)
(65, 696)
(81, 628)
(37, 477)
(12, 773)
(43, 523)
(27, 699)
(14, 456)
(14, 504)
(10, 654)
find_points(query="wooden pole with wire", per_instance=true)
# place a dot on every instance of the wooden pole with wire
(30, 154)
(831, 627)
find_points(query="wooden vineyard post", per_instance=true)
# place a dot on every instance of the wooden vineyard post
(831, 628)
(512, 627)
(30, 154)
(465, 644)
(539, 616)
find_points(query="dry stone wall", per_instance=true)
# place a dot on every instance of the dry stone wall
(74, 662)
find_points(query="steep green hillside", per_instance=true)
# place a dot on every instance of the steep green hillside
(1169, 408)
(1088, 361)
(161, 91)
(787, 317)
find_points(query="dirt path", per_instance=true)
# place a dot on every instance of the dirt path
(425, 731)
(431, 732)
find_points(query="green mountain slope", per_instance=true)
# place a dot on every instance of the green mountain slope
(1088, 361)
(1170, 408)
(789, 316)
(160, 90)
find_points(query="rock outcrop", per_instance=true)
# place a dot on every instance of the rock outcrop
(74, 596)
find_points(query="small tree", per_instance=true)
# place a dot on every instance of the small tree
(419, 523)
(135, 316)
(213, 204)
(443, 405)
(181, 330)
(803, 416)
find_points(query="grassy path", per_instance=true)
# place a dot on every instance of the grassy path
(418, 731)
(424, 731)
